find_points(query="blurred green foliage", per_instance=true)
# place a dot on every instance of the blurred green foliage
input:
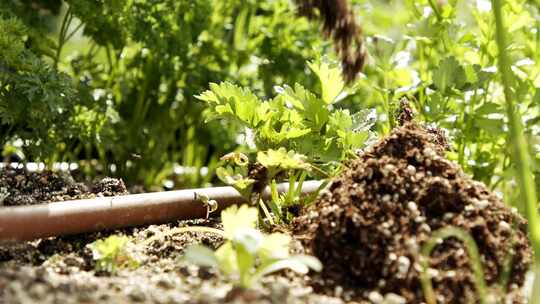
(441, 55)
(122, 89)
(131, 87)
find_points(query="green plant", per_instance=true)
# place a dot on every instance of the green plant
(40, 106)
(474, 256)
(111, 254)
(248, 254)
(123, 74)
(520, 152)
(295, 119)
(295, 132)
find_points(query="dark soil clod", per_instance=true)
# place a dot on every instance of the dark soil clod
(369, 227)
(19, 186)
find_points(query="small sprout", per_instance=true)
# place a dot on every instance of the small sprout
(110, 254)
(211, 205)
(247, 253)
(238, 158)
(236, 177)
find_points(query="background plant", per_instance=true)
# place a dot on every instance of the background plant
(294, 133)
(40, 106)
(137, 66)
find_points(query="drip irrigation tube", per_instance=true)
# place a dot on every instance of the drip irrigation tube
(21, 223)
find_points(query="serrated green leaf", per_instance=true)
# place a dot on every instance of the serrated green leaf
(313, 110)
(274, 246)
(227, 259)
(282, 159)
(227, 100)
(488, 108)
(449, 73)
(332, 83)
(235, 219)
(201, 255)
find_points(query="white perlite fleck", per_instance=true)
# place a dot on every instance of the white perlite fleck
(504, 226)
(412, 206)
(481, 204)
(375, 297)
(403, 266)
(392, 298)
(419, 219)
(428, 152)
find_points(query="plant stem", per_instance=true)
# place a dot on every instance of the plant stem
(519, 144)
(474, 257)
(435, 8)
(66, 22)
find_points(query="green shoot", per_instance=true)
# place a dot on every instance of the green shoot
(474, 258)
(247, 254)
(519, 144)
(111, 254)
(295, 119)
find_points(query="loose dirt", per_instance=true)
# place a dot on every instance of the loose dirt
(61, 269)
(370, 225)
(19, 186)
(367, 228)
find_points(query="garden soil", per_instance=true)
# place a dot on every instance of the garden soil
(367, 228)
(370, 225)
(61, 269)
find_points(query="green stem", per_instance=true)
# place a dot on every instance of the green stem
(68, 17)
(517, 138)
(474, 257)
(519, 145)
(435, 8)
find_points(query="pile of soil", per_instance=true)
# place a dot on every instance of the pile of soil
(370, 225)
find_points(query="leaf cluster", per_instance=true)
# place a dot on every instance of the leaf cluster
(38, 104)
(247, 254)
(296, 118)
(111, 254)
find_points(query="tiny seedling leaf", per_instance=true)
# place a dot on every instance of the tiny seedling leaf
(201, 255)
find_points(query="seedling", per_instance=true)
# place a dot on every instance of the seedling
(211, 205)
(474, 256)
(295, 119)
(248, 254)
(111, 254)
(296, 132)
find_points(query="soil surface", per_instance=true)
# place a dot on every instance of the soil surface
(367, 228)
(61, 269)
(21, 187)
(371, 224)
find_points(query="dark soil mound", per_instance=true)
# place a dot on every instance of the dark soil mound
(19, 186)
(369, 227)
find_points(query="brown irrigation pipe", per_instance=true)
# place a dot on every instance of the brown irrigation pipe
(23, 223)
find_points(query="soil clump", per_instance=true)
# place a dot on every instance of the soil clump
(19, 186)
(370, 225)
